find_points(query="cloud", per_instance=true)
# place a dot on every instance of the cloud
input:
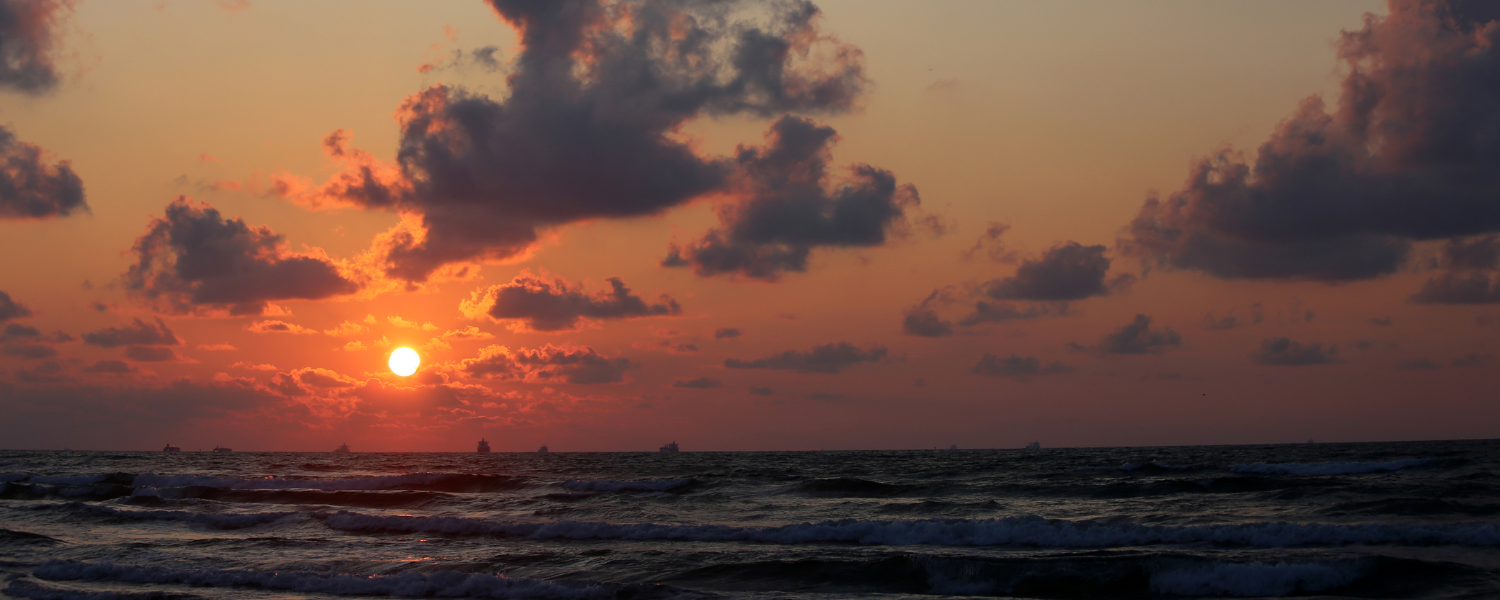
(30, 188)
(761, 391)
(1416, 364)
(1287, 353)
(827, 358)
(150, 354)
(467, 333)
(1472, 360)
(1068, 271)
(1408, 154)
(1231, 321)
(1137, 337)
(790, 204)
(1459, 288)
(727, 333)
(28, 351)
(193, 258)
(588, 128)
(216, 347)
(345, 329)
(1380, 321)
(110, 367)
(532, 303)
(1019, 367)
(17, 331)
(270, 326)
(253, 366)
(989, 245)
(1000, 312)
(922, 319)
(28, 43)
(548, 364)
(10, 309)
(138, 333)
(49, 371)
(699, 383)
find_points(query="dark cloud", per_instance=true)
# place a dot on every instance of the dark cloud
(1231, 320)
(16, 331)
(701, 383)
(150, 354)
(1137, 337)
(923, 320)
(1380, 321)
(791, 205)
(541, 305)
(989, 245)
(112, 367)
(1479, 252)
(1019, 367)
(193, 258)
(47, 372)
(1416, 364)
(725, 333)
(10, 309)
(588, 128)
(761, 391)
(548, 364)
(30, 188)
(1069, 271)
(827, 358)
(1459, 288)
(1409, 153)
(28, 40)
(1287, 353)
(1472, 360)
(1000, 312)
(28, 351)
(138, 333)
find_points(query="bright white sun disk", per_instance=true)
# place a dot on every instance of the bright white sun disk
(404, 361)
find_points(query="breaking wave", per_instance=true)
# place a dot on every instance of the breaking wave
(1340, 468)
(1009, 531)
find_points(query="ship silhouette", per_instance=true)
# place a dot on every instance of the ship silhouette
(483, 445)
(671, 447)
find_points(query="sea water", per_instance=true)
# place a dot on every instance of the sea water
(1370, 520)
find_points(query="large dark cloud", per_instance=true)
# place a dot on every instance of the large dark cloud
(701, 383)
(192, 258)
(1019, 367)
(1468, 276)
(10, 309)
(1409, 153)
(791, 205)
(826, 358)
(1284, 352)
(28, 351)
(555, 305)
(589, 129)
(150, 354)
(1069, 271)
(1137, 337)
(548, 364)
(30, 187)
(27, 43)
(137, 333)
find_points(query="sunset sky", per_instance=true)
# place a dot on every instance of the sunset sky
(853, 224)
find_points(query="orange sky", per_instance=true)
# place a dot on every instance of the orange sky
(1052, 121)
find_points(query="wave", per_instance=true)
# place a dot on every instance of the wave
(437, 482)
(606, 485)
(1147, 466)
(850, 487)
(1009, 531)
(1258, 579)
(447, 584)
(1339, 468)
(215, 520)
(22, 588)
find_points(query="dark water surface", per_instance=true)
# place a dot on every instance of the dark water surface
(1374, 520)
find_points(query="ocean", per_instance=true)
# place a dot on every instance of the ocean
(1366, 520)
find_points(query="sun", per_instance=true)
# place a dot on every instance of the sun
(404, 361)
